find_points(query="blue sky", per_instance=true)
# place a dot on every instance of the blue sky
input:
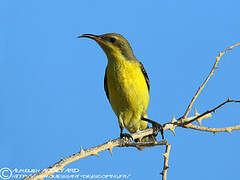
(52, 100)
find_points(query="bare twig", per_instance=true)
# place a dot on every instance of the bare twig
(166, 158)
(185, 123)
(214, 130)
(174, 123)
(118, 143)
(94, 151)
(206, 80)
(209, 111)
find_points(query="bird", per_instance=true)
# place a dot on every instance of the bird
(126, 85)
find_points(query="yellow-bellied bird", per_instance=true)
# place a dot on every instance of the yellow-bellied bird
(126, 84)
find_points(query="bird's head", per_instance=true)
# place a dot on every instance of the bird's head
(112, 44)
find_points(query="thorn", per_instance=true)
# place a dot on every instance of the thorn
(199, 122)
(173, 119)
(229, 131)
(173, 131)
(196, 113)
(110, 146)
(110, 149)
(81, 151)
(214, 133)
(161, 173)
(214, 111)
(165, 155)
(228, 98)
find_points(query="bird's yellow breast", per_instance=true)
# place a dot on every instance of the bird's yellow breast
(128, 92)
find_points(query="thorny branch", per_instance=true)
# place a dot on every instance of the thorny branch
(184, 122)
(94, 151)
(208, 111)
(213, 130)
(208, 77)
(165, 165)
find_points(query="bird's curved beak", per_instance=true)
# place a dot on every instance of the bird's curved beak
(91, 36)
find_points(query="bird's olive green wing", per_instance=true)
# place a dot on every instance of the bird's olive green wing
(105, 84)
(145, 76)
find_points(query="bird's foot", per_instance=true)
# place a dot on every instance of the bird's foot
(126, 137)
(156, 127)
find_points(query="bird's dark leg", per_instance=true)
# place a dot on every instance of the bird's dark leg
(156, 126)
(125, 136)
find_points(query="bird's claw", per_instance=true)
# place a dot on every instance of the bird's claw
(157, 128)
(126, 137)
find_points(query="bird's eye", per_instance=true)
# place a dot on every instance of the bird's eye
(112, 40)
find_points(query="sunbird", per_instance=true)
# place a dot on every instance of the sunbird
(126, 84)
